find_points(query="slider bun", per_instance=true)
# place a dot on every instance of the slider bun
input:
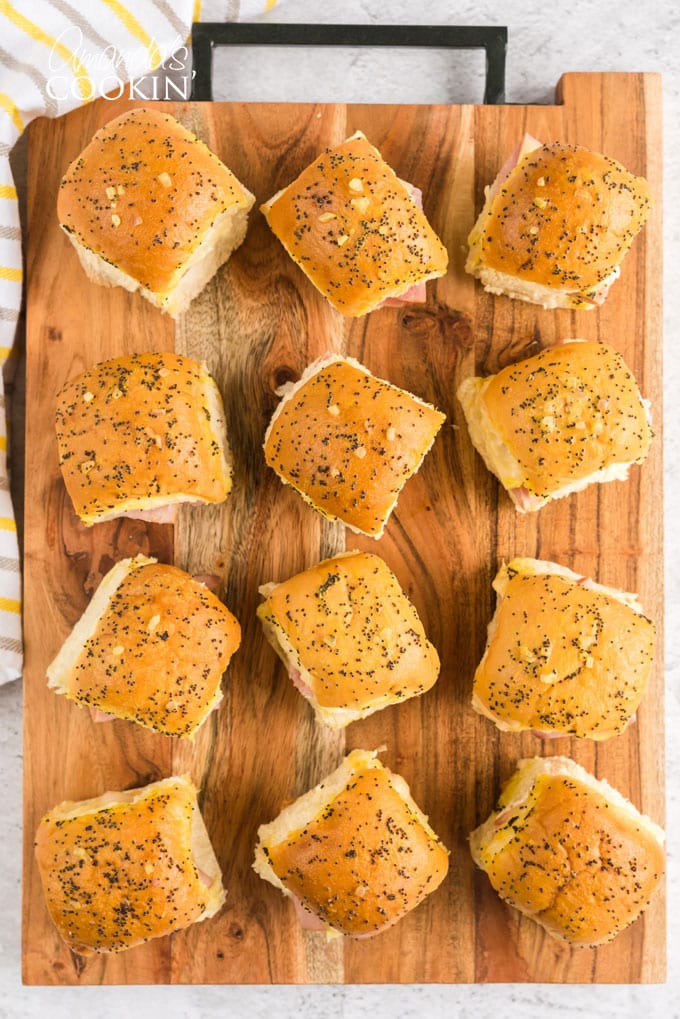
(141, 432)
(129, 866)
(564, 656)
(149, 207)
(555, 230)
(348, 441)
(354, 229)
(355, 851)
(151, 647)
(350, 634)
(570, 851)
(557, 422)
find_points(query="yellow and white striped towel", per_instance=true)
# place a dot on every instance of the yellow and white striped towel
(55, 55)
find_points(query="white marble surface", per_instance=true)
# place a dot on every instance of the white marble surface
(544, 40)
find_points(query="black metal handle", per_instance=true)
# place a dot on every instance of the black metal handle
(207, 34)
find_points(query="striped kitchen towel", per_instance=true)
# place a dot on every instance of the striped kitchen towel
(54, 56)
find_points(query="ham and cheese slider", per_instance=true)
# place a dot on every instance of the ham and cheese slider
(355, 853)
(356, 230)
(557, 422)
(149, 207)
(348, 441)
(140, 434)
(556, 225)
(128, 866)
(570, 852)
(564, 656)
(151, 647)
(349, 637)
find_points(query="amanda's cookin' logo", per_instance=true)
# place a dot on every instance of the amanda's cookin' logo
(81, 74)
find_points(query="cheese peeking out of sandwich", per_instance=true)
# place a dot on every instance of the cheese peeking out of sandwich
(556, 225)
(350, 638)
(570, 852)
(128, 866)
(142, 432)
(564, 656)
(355, 229)
(356, 851)
(151, 647)
(557, 422)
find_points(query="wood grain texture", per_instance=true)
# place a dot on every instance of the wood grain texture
(258, 324)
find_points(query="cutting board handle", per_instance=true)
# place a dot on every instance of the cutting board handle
(493, 39)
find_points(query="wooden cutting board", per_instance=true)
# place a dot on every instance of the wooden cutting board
(258, 324)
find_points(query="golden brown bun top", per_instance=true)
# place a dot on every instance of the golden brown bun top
(143, 193)
(564, 218)
(158, 652)
(568, 412)
(138, 428)
(564, 658)
(576, 861)
(117, 876)
(355, 631)
(364, 861)
(349, 441)
(354, 229)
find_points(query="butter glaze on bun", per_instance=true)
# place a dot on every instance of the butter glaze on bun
(564, 656)
(350, 638)
(151, 647)
(149, 207)
(128, 866)
(355, 851)
(557, 422)
(141, 432)
(348, 441)
(354, 228)
(556, 225)
(570, 852)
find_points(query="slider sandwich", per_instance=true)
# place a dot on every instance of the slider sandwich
(140, 434)
(128, 866)
(350, 638)
(149, 207)
(348, 441)
(564, 656)
(356, 230)
(151, 647)
(570, 852)
(556, 225)
(355, 853)
(557, 422)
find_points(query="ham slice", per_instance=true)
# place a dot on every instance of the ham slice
(524, 500)
(209, 580)
(526, 145)
(299, 683)
(157, 515)
(101, 716)
(417, 294)
(307, 920)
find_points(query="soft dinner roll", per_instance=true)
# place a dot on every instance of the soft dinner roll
(556, 225)
(348, 441)
(349, 637)
(149, 207)
(356, 230)
(129, 866)
(142, 432)
(151, 647)
(564, 656)
(556, 422)
(355, 852)
(570, 851)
